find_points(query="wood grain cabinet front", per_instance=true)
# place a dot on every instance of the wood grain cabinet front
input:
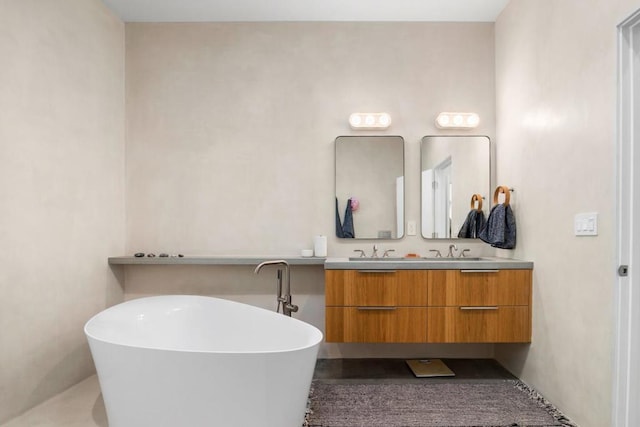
(376, 306)
(480, 306)
(439, 306)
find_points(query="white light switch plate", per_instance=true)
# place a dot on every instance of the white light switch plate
(411, 228)
(586, 224)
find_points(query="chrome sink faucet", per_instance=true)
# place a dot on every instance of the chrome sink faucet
(374, 254)
(283, 300)
(451, 249)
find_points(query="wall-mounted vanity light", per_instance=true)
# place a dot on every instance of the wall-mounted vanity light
(457, 120)
(370, 120)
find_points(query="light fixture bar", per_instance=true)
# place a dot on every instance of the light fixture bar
(448, 120)
(370, 120)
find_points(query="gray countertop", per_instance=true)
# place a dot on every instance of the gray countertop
(484, 263)
(212, 260)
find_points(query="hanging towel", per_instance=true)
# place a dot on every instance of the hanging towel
(500, 230)
(472, 226)
(339, 232)
(347, 226)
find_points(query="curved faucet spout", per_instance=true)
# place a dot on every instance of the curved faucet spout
(274, 262)
(451, 249)
(287, 306)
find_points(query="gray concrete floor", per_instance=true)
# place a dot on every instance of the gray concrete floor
(79, 406)
(396, 370)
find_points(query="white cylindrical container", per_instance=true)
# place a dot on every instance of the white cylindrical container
(320, 246)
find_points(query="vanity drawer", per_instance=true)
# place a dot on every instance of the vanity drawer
(379, 288)
(376, 324)
(479, 324)
(480, 288)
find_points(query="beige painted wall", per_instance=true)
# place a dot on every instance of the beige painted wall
(61, 187)
(556, 110)
(231, 126)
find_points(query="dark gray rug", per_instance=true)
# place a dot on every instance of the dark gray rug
(500, 403)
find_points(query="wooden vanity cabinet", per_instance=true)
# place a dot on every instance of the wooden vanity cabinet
(438, 306)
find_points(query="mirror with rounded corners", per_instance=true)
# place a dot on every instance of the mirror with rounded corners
(456, 185)
(369, 187)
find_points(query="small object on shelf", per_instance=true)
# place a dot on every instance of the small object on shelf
(151, 255)
(320, 246)
(163, 255)
(139, 255)
(180, 256)
(412, 255)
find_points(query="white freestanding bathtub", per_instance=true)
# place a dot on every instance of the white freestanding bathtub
(197, 361)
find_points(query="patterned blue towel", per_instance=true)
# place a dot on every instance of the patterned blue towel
(500, 231)
(345, 230)
(472, 226)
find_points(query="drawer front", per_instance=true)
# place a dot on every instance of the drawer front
(376, 324)
(480, 288)
(357, 288)
(479, 324)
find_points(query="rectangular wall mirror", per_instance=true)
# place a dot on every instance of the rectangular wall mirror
(456, 170)
(369, 187)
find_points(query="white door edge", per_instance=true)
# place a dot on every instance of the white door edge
(626, 362)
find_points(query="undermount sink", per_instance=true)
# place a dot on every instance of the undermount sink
(414, 259)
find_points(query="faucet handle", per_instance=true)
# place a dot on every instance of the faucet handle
(462, 254)
(438, 254)
(386, 253)
(362, 254)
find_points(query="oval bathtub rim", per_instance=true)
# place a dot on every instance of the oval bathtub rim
(317, 333)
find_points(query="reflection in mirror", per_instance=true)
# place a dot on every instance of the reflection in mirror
(370, 187)
(456, 171)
